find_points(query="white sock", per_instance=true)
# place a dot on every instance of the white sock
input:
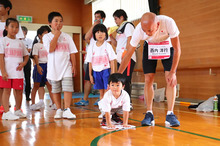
(150, 112)
(41, 100)
(169, 112)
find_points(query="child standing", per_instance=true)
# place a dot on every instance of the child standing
(101, 58)
(115, 101)
(61, 64)
(12, 52)
(40, 69)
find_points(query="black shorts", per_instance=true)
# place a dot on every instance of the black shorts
(87, 73)
(149, 66)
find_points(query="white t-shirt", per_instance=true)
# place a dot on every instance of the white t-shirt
(42, 53)
(100, 57)
(59, 64)
(122, 42)
(14, 51)
(167, 29)
(18, 35)
(109, 102)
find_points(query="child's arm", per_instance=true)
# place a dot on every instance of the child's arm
(2, 68)
(108, 120)
(73, 61)
(39, 69)
(90, 73)
(113, 41)
(88, 35)
(112, 65)
(22, 64)
(125, 118)
(53, 42)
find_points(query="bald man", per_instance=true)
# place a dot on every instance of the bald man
(161, 36)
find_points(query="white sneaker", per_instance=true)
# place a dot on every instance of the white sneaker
(34, 107)
(40, 104)
(101, 115)
(59, 114)
(68, 114)
(20, 114)
(53, 106)
(9, 116)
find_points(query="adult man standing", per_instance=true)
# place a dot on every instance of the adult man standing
(162, 42)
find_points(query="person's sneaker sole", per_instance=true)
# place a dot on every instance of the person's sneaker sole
(167, 124)
(152, 124)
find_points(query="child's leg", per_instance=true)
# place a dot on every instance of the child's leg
(34, 90)
(18, 99)
(67, 99)
(41, 92)
(57, 99)
(5, 98)
(49, 90)
(101, 91)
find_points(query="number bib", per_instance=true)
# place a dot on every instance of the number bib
(159, 50)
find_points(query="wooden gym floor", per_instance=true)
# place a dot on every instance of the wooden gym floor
(40, 128)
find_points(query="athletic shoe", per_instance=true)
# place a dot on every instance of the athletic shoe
(101, 115)
(1, 109)
(103, 123)
(9, 116)
(34, 107)
(96, 102)
(82, 103)
(117, 119)
(40, 104)
(171, 121)
(59, 114)
(28, 99)
(20, 114)
(148, 120)
(68, 114)
(53, 106)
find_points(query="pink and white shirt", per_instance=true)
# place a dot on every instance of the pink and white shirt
(100, 57)
(14, 51)
(59, 65)
(167, 29)
(109, 102)
(42, 53)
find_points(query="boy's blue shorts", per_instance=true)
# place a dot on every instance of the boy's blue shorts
(40, 78)
(101, 79)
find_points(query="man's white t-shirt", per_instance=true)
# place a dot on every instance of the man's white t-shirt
(14, 51)
(122, 42)
(42, 53)
(109, 102)
(59, 65)
(167, 29)
(101, 56)
(18, 35)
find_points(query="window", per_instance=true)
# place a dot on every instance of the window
(134, 9)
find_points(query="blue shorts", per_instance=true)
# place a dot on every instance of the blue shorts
(40, 78)
(101, 79)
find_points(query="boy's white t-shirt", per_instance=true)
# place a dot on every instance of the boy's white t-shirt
(122, 42)
(167, 29)
(42, 53)
(109, 102)
(18, 35)
(59, 65)
(100, 57)
(14, 51)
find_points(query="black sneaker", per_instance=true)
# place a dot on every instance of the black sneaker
(28, 99)
(103, 123)
(117, 119)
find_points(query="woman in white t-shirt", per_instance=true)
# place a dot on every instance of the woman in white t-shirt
(101, 58)
(39, 54)
(13, 57)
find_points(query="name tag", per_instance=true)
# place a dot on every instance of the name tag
(159, 50)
